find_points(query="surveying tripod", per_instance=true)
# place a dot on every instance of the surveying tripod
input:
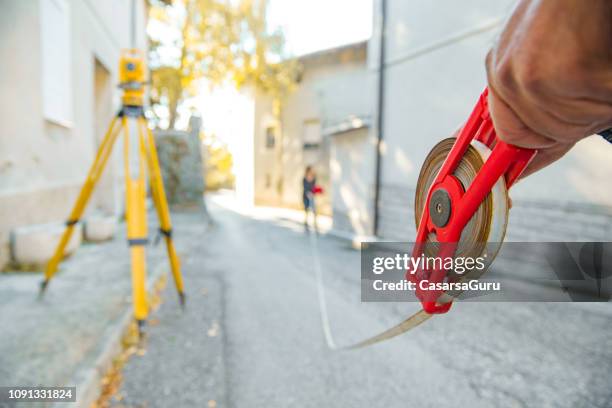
(137, 161)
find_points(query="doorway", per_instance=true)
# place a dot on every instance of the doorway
(106, 197)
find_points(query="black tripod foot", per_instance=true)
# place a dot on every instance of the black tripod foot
(141, 324)
(182, 300)
(43, 288)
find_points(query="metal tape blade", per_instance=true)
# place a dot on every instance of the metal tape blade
(408, 324)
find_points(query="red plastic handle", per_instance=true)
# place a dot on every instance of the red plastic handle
(505, 160)
(520, 157)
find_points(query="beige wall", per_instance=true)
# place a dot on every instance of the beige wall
(42, 164)
(268, 171)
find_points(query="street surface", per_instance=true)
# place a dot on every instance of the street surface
(251, 335)
(49, 340)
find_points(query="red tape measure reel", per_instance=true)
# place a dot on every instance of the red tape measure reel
(461, 203)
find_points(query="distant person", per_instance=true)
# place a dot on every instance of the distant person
(309, 183)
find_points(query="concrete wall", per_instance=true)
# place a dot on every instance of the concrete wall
(42, 164)
(352, 178)
(434, 75)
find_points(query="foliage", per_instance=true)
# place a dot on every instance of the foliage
(218, 165)
(216, 40)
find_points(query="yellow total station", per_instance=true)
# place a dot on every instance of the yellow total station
(141, 163)
(132, 73)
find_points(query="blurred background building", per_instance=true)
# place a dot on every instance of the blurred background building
(58, 80)
(329, 99)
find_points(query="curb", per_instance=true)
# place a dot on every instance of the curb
(88, 377)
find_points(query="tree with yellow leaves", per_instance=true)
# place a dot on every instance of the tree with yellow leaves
(218, 40)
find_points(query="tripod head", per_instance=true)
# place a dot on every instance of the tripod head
(132, 71)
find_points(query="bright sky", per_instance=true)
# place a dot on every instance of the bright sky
(311, 25)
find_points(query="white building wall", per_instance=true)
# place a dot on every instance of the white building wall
(42, 164)
(434, 75)
(352, 167)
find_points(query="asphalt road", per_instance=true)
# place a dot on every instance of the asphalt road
(251, 336)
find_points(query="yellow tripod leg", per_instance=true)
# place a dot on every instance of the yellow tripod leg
(104, 151)
(161, 205)
(136, 216)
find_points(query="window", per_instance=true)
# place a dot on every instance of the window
(268, 180)
(270, 137)
(56, 61)
(312, 135)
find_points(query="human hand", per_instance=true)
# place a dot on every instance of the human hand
(550, 76)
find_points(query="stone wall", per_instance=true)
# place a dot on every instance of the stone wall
(180, 158)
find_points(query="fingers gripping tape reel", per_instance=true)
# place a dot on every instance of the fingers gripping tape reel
(461, 203)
